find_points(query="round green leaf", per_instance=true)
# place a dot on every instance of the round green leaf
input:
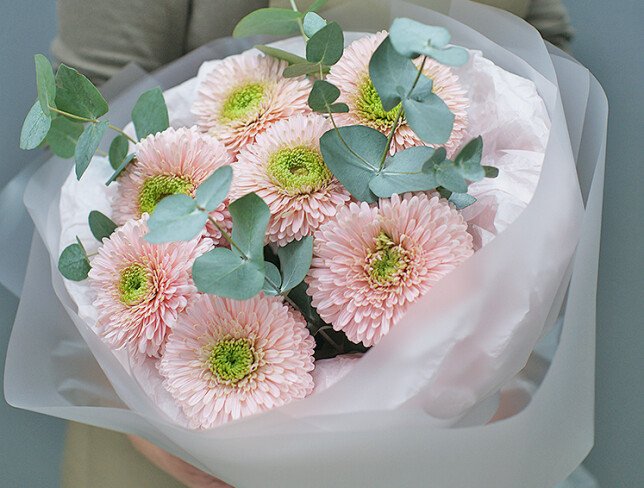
(150, 113)
(63, 136)
(34, 128)
(313, 23)
(223, 273)
(461, 200)
(393, 76)
(269, 21)
(100, 225)
(431, 119)
(468, 160)
(301, 69)
(118, 150)
(354, 166)
(411, 38)
(448, 176)
(290, 58)
(250, 219)
(128, 159)
(404, 173)
(272, 277)
(73, 262)
(175, 218)
(214, 189)
(87, 145)
(295, 261)
(45, 83)
(77, 95)
(326, 46)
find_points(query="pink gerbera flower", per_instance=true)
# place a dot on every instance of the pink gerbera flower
(140, 288)
(351, 76)
(227, 359)
(285, 168)
(371, 263)
(170, 162)
(244, 94)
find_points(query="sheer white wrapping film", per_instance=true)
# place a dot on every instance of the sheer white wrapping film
(378, 426)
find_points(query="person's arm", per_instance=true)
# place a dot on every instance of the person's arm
(550, 18)
(177, 468)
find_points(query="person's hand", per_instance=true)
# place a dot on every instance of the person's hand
(179, 469)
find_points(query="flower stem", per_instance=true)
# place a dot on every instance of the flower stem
(93, 121)
(226, 235)
(399, 116)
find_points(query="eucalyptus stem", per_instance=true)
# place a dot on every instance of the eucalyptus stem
(93, 121)
(226, 235)
(399, 116)
(299, 21)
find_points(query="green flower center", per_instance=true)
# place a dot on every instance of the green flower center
(134, 284)
(156, 188)
(388, 262)
(231, 360)
(369, 106)
(298, 170)
(242, 101)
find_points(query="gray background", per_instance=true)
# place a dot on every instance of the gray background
(610, 42)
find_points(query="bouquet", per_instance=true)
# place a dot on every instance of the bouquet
(322, 240)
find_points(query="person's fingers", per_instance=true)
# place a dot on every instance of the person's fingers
(179, 469)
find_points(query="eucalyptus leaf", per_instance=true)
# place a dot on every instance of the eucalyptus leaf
(250, 219)
(34, 128)
(404, 173)
(440, 155)
(301, 69)
(312, 23)
(87, 145)
(411, 38)
(272, 277)
(491, 171)
(356, 165)
(450, 56)
(175, 218)
(124, 164)
(290, 58)
(73, 262)
(322, 96)
(224, 273)
(77, 95)
(269, 21)
(461, 200)
(118, 150)
(448, 176)
(295, 261)
(63, 136)
(326, 45)
(45, 83)
(431, 119)
(214, 189)
(393, 75)
(100, 225)
(468, 160)
(150, 113)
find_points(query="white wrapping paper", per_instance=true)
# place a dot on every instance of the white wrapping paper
(378, 425)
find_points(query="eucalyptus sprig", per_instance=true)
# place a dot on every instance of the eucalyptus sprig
(68, 117)
(360, 156)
